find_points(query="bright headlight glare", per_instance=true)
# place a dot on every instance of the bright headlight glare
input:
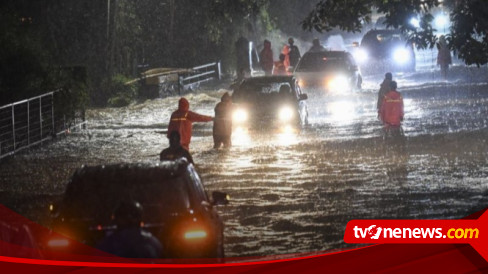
(286, 114)
(401, 55)
(338, 83)
(301, 82)
(240, 116)
(361, 55)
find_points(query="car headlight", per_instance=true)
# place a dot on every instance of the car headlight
(240, 116)
(361, 55)
(401, 55)
(338, 83)
(301, 82)
(286, 114)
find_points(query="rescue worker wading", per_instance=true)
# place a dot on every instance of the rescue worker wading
(222, 127)
(182, 122)
(391, 112)
(175, 150)
(384, 88)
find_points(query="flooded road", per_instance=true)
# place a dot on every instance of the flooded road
(295, 192)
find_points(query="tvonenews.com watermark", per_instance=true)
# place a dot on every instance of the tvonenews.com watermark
(374, 232)
(469, 231)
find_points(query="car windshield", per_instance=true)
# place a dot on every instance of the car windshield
(388, 37)
(262, 90)
(96, 201)
(320, 62)
(381, 38)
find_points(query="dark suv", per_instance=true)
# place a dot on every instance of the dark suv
(385, 50)
(334, 71)
(177, 210)
(275, 101)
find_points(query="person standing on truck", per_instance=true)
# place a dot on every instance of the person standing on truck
(294, 53)
(279, 66)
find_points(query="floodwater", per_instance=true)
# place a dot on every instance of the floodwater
(295, 192)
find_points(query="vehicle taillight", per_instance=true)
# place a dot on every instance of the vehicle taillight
(195, 234)
(58, 242)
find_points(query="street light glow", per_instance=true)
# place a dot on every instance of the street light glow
(441, 21)
(415, 22)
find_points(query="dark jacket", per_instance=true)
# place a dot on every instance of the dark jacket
(173, 153)
(294, 55)
(132, 243)
(182, 121)
(223, 117)
(266, 57)
(384, 88)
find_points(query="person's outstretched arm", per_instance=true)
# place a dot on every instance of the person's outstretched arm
(195, 117)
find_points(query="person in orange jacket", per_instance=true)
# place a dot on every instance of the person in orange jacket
(391, 112)
(222, 127)
(279, 66)
(182, 122)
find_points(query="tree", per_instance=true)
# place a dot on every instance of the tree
(467, 36)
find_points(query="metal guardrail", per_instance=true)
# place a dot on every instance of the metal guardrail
(163, 82)
(30, 122)
(202, 73)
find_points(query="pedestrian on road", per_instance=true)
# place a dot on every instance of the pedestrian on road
(443, 56)
(384, 88)
(391, 111)
(182, 122)
(222, 127)
(175, 150)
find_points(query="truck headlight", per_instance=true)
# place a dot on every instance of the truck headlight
(361, 55)
(240, 116)
(338, 83)
(401, 55)
(286, 114)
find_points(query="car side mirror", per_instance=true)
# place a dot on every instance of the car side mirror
(220, 198)
(303, 96)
